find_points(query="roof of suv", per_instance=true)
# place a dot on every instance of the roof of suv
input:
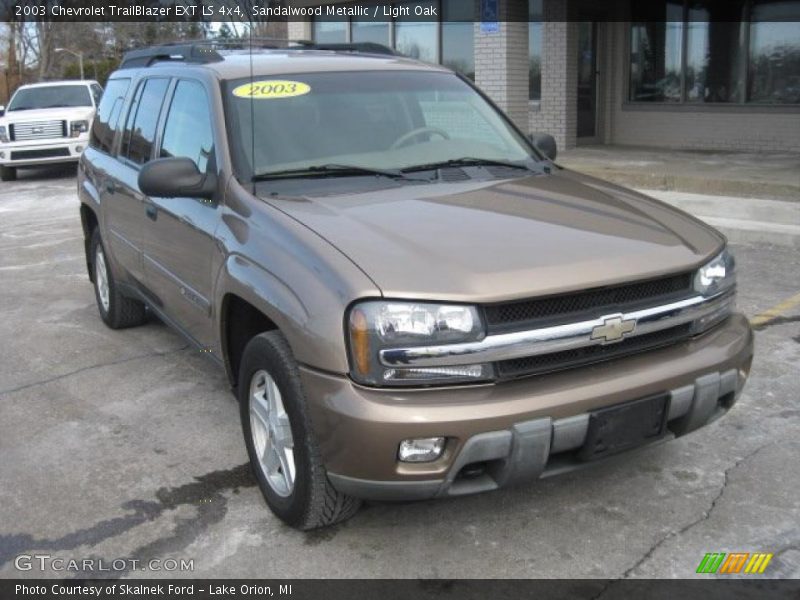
(236, 64)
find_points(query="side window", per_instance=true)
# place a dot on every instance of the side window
(97, 93)
(140, 126)
(188, 129)
(105, 122)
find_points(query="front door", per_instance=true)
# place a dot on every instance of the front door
(587, 80)
(179, 232)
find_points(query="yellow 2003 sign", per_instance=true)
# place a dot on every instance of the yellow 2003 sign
(274, 88)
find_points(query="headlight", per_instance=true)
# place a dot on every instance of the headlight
(712, 279)
(377, 325)
(716, 276)
(79, 127)
(3, 134)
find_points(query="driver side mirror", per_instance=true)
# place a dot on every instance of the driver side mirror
(2, 110)
(176, 178)
(545, 143)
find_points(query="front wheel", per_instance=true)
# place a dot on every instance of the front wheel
(280, 441)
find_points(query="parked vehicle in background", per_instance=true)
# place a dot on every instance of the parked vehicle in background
(410, 298)
(46, 123)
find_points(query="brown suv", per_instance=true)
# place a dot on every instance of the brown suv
(409, 297)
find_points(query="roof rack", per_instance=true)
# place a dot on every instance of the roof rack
(365, 47)
(205, 51)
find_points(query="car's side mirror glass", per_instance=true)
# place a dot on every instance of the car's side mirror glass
(545, 143)
(175, 178)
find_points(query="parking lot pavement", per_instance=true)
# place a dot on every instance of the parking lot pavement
(127, 445)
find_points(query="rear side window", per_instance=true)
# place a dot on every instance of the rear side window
(105, 123)
(140, 126)
(188, 130)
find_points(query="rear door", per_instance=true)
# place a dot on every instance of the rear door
(126, 208)
(179, 234)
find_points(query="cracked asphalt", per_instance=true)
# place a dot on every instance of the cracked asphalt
(127, 445)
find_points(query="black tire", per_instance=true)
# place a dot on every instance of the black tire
(8, 173)
(121, 311)
(313, 501)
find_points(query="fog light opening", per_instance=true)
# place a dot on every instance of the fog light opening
(419, 450)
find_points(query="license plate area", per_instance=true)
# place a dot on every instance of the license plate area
(618, 428)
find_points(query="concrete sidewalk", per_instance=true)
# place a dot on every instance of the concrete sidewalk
(745, 174)
(742, 220)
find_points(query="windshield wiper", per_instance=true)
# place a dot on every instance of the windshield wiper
(466, 161)
(328, 170)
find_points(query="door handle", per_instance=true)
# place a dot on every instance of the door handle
(151, 210)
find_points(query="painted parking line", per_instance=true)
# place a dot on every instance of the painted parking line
(776, 311)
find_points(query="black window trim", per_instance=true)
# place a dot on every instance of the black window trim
(140, 82)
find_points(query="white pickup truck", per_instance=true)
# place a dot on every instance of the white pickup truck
(46, 123)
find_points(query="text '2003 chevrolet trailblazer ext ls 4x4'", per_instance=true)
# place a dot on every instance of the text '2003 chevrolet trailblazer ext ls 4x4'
(410, 299)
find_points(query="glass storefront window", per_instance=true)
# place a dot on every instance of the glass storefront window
(329, 30)
(730, 56)
(715, 52)
(535, 49)
(370, 30)
(655, 60)
(774, 70)
(415, 38)
(458, 36)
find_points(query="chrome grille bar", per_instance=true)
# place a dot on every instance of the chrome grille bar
(557, 338)
(38, 130)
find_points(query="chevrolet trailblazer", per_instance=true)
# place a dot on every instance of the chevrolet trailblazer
(410, 298)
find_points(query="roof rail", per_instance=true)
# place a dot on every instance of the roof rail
(187, 52)
(205, 51)
(366, 47)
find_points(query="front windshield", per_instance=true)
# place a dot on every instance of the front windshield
(366, 119)
(50, 96)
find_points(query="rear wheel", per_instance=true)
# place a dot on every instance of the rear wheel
(280, 441)
(8, 173)
(117, 311)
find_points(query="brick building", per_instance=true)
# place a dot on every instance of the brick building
(695, 74)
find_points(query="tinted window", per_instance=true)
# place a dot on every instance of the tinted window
(50, 96)
(105, 123)
(140, 127)
(188, 129)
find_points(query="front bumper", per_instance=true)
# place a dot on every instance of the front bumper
(45, 152)
(517, 431)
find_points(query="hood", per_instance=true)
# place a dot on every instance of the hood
(503, 240)
(69, 113)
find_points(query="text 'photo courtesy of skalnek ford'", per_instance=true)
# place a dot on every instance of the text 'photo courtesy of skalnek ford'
(336, 299)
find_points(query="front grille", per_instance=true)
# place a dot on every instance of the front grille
(588, 304)
(37, 130)
(43, 153)
(568, 359)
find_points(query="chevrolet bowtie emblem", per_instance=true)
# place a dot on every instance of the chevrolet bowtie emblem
(613, 329)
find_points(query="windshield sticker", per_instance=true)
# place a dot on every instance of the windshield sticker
(267, 90)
